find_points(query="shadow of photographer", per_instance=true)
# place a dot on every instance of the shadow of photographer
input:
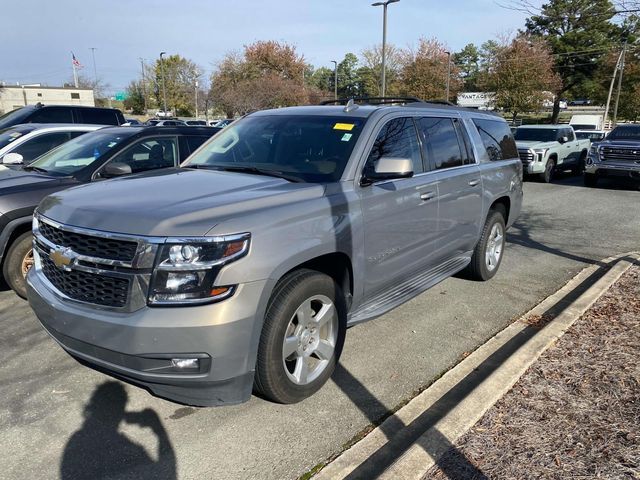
(99, 450)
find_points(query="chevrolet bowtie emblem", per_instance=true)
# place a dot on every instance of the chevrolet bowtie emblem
(62, 258)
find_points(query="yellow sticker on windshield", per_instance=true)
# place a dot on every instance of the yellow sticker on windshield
(344, 126)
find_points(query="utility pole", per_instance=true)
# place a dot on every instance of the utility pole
(613, 81)
(448, 72)
(615, 108)
(144, 85)
(384, 41)
(95, 71)
(335, 79)
(164, 88)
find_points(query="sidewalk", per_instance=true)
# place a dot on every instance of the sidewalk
(575, 413)
(598, 382)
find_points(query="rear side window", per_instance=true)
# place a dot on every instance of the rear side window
(441, 142)
(52, 115)
(397, 139)
(97, 116)
(497, 138)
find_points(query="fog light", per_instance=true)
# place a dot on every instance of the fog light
(186, 363)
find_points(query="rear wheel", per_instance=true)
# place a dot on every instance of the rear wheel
(590, 180)
(487, 255)
(302, 337)
(19, 261)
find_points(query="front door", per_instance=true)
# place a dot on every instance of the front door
(400, 216)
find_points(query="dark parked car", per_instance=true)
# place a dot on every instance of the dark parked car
(617, 156)
(196, 123)
(105, 153)
(40, 113)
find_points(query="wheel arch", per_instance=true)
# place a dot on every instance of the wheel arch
(11, 231)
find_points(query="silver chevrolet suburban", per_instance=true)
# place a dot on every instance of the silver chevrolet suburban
(242, 269)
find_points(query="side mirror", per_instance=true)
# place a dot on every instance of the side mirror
(389, 168)
(115, 169)
(564, 139)
(12, 159)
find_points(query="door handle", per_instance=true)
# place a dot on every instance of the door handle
(427, 196)
(473, 183)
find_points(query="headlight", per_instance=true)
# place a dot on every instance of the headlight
(593, 149)
(540, 153)
(186, 269)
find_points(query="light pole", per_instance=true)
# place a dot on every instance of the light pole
(448, 72)
(384, 40)
(164, 89)
(335, 79)
(95, 71)
(196, 99)
(144, 85)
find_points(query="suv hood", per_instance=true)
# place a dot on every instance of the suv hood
(522, 144)
(175, 202)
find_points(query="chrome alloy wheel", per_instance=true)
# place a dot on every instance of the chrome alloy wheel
(27, 263)
(495, 245)
(310, 339)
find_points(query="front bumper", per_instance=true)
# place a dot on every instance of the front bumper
(630, 170)
(138, 346)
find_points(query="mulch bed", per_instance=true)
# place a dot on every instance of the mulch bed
(575, 413)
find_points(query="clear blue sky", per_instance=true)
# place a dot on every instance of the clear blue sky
(37, 49)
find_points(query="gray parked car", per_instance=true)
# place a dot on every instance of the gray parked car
(617, 156)
(243, 268)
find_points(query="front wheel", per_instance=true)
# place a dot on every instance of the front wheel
(302, 336)
(487, 255)
(547, 175)
(18, 262)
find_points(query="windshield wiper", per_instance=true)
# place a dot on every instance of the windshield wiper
(35, 169)
(247, 169)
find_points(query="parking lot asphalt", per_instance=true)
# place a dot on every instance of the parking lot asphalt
(59, 419)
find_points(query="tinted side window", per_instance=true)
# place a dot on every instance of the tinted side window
(52, 115)
(397, 139)
(150, 154)
(497, 138)
(98, 116)
(194, 142)
(568, 132)
(467, 151)
(33, 148)
(441, 142)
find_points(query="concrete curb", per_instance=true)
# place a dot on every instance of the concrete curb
(409, 443)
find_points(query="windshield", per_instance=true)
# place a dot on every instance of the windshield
(312, 149)
(14, 117)
(536, 134)
(593, 136)
(80, 152)
(625, 133)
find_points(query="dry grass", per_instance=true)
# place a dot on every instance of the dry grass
(575, 414)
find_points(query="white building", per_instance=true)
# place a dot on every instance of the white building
(12, 97)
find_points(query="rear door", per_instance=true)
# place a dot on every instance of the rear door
(400, 216)
(448, 151)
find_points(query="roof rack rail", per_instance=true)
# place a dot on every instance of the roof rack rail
(438, 101)
(373, 100)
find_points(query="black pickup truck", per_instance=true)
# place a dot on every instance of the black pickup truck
(618, 155)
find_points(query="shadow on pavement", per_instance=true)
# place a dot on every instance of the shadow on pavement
(99, 450)
(421, 431)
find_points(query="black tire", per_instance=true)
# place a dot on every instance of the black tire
(478, 269)
(271, 379)
(590, 180)
(20, 249)
(579, 168)
(549, 170)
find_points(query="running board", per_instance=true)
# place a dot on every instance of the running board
(406, 290)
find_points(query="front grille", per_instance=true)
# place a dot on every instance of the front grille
(526, 156)
(86, 287)
(620, 154)
(100, 247)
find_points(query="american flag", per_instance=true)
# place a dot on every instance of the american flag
(75, 61)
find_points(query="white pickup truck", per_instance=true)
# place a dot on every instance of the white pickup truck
(544, 149)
